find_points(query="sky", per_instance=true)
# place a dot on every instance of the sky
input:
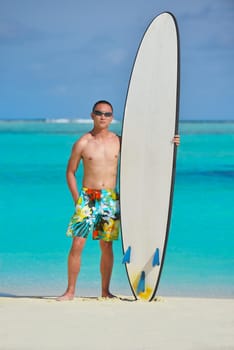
(57, 57)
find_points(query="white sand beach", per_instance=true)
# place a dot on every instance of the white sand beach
(29, 323)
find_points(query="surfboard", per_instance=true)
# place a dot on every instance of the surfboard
(148, 155)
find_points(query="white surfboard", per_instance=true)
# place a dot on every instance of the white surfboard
(148, 155)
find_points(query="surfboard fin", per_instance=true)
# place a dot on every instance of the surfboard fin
(141, 283)
(156, 260)
(126, 258)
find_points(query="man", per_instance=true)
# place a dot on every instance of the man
(97, 204)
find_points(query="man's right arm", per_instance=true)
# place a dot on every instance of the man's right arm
(72, 166)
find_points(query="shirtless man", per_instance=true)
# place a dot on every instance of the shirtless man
(97, 204)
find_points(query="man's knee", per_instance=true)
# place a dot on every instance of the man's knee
(106, 247)
(77, 245)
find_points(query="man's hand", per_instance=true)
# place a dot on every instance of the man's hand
(176, 140)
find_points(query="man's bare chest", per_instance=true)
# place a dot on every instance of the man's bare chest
(98, 151)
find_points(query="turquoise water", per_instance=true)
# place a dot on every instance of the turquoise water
(36, 206)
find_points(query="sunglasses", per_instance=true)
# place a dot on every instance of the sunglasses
(106, 114)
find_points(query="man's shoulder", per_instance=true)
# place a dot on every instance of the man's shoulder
(86, 137)
(114, 135)
(82, 140)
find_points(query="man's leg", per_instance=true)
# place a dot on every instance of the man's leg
(74, 262)
(106, 265)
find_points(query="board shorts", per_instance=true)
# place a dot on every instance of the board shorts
(97, 211)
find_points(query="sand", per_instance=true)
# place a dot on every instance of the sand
(92, 323)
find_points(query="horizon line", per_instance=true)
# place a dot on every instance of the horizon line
(87, 120)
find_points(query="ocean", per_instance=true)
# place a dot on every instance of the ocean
(35, 207)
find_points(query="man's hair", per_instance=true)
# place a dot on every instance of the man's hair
(101, 101)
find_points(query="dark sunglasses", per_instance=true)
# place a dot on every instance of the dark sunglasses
(99, 113)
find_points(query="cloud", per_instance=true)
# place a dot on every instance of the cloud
(15, 32)
(117, 56)
(209, 26)
(59, 90)
(72, 50)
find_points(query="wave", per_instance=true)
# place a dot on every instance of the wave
(54, 121)
(68, 121)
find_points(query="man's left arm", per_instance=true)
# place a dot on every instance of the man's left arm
(176, 140)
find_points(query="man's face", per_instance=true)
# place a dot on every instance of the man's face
(102, 115)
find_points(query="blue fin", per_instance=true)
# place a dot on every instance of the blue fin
(156, 260)
(126, 258)
(141, 283)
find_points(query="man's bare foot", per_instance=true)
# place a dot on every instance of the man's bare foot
(65, 297)
(108, 295)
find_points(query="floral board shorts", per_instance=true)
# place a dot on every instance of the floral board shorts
(97, 211)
